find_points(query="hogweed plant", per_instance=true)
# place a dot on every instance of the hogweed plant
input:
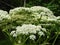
(30, 26)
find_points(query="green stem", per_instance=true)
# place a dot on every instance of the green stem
(24, 3)
(16, 43)
(55, 39)
(38, 38)
(44, 43)
(52, 37)
(25, 40)
(51, 2)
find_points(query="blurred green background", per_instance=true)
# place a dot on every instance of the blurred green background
(54, 5)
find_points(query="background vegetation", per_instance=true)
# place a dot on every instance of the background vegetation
(54, 5)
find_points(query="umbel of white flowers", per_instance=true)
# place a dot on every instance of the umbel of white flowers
(36, 11)
(3, 15)
(27, 29)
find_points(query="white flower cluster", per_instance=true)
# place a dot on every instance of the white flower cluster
(27, 29)
(37, 12)
(32, 37)
(42, 10)
(18, 9)
(3, 15)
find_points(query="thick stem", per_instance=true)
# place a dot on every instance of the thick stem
(55, 39)
(24, 3)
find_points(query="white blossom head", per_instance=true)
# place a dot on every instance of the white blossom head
(42, 10)
(12, 32)
(27, 28)
(41, 33)
(17, 10)
(36, 12)
(4, 14)
(32, 37)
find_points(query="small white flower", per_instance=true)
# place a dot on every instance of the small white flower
(42, 13)
(44, 17)
(19, 41)
(18, 27)
(14, 35)
(58, 17)
(4, 14)
(38, 28)
(43, 29)
(12, 32)
(41, 33)
(8, 17)
(32, 37)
